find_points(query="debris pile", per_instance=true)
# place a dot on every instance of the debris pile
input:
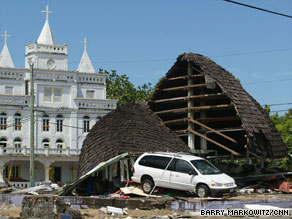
(47, 207)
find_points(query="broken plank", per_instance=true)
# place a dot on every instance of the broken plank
(214, 142)
(213, 130)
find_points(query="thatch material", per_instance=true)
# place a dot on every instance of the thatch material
(259, 136)
(130, 128)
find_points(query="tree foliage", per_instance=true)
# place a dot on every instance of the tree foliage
(119, 87)
(284, 126)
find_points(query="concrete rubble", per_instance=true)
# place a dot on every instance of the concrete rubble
(47, 207)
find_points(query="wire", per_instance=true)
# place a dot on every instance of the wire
(257, 8)
(276, 104)
(262, 82)
(279, 110)
(172, 59)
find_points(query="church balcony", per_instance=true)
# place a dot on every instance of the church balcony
(57, 49)
(84, 103)
(15, 100)
(24, 151)
(9, 73)
(55, 76)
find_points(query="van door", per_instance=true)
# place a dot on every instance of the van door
(182, 176)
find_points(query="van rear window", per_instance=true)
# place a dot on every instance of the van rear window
(158, 162)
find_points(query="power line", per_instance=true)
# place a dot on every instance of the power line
(172, 59)
(279, 111)
(262, 82)
(277, 104)
(257, 8)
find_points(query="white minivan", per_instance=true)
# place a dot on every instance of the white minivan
(182, 172)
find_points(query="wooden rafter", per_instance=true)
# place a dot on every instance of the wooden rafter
(201, 96)
(184, 77)
(196, 108)
(175, 121)
(184, 87)
(214, 142)
(213, 130)
(218, 119)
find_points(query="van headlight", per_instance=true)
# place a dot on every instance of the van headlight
(215, 184)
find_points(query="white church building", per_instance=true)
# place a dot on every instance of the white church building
(67, 104)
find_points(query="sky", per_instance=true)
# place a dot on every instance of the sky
(142, 39)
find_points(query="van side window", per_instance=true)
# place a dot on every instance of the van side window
(183, 166)
(154, 161)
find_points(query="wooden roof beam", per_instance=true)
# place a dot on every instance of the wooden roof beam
(223, 119)
(185, 77)
(214, 142)
(175, 121)
(202, 96)
(213, 130)
(196, 108)
(184, 87)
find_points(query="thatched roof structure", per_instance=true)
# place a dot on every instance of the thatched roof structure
(131, 128)
(199, 97)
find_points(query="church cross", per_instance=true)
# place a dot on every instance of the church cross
(85, 43)
(5, 35)
(47, 12)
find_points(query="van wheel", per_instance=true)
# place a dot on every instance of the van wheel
(147, 185)
(203, 191)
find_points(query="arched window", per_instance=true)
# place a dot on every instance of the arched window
(3, 143)
(59, 145)
(46, 123)
(17, 121)
(46, 143)
(59, 123)
(98, 118)
(17, 145)
(3, 121)
(86, 123)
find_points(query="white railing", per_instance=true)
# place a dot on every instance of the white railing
(39, 151)
(46, 48)
(91, 78)
(19, 100)
(23, 184)
(55, 76)
(95, 103)
(16, 74)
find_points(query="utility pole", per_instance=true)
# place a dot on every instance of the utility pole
(31, 163)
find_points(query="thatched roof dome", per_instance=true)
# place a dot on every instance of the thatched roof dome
(226, 106)
(130, 128)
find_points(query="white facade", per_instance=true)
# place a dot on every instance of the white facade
(67, 104)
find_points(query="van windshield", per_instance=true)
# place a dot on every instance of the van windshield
(205, 167)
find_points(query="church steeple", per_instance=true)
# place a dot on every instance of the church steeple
(85, 63)
(5, 58)
(46, 36)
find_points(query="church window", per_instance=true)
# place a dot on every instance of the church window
(8, 90)
(53, 95)
(90, 94)
(86, 123)
(3, 121)
(17, 145)
(59, 123)
(59, 145)
(46, 123)
(17, 121)
(46, 143)
(3, 143)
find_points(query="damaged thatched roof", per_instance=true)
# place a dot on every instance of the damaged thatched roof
(218, 100)
(131, 128)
